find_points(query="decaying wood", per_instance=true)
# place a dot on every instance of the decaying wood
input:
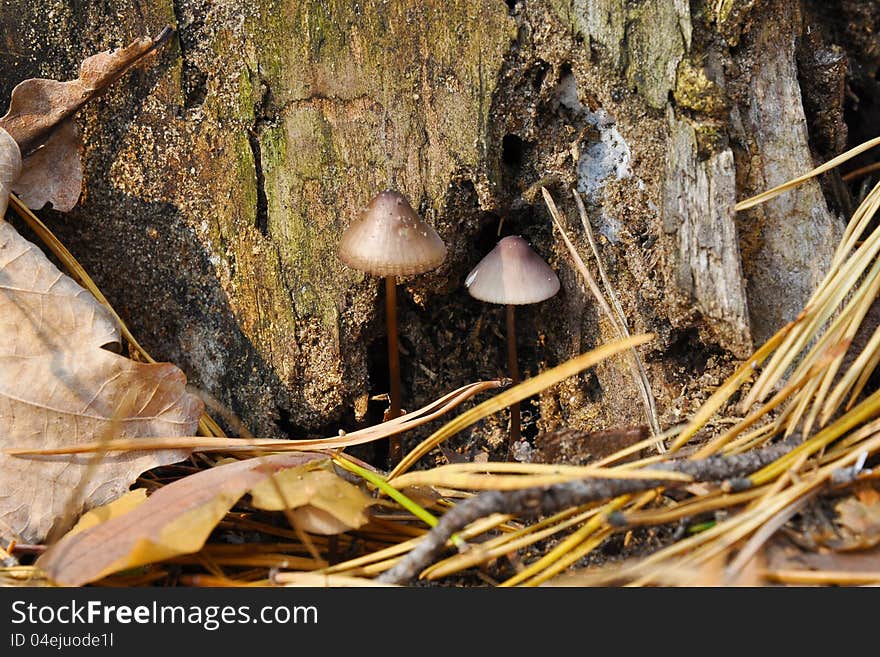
(788, 242)
(698, 199)
(218, 180)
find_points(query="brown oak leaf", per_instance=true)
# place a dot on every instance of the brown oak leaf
(53, 173)
(40, 121)
(176, 519)
(58, 387)
(10, 166)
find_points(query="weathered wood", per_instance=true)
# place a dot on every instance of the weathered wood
(219, 178)
(698, 215)
(788, 242)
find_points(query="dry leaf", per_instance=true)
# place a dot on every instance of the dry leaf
(861, 520)
(39, 120)
(38, 106)
(58, 387)
(176, 519)
(42, 310)
(867, 494)
(53, 173)
(10, 166)
(322, 502)
(67, 397)
(131, 500)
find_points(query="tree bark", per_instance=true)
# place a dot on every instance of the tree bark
(220, 177)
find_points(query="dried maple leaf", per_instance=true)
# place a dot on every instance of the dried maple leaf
(59, 387)
(176, 519)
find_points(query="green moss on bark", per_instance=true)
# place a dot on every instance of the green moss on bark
(645, 41)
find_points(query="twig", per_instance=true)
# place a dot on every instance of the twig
(530, 502)
(861, 171)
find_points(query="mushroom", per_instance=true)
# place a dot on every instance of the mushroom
(512, 274)
(389, 239)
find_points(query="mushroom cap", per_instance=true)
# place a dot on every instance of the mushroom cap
(388, 238)
(512, 273)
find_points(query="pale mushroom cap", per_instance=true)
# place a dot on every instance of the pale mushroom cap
(512, 273)
(388, 238)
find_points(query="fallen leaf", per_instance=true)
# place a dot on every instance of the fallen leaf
(38, 106)
(867, 494)
(66, 397)
(58, 387)
(131, 500)
(322, 502)
(39, 121)
(175, 520)
(783, 556)
(862, 520)
(41, 309)
(10, 166)
(53, 173)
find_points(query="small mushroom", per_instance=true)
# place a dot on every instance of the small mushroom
(512, 274)
(389, 239)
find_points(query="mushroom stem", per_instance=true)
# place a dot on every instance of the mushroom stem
(394, 451)
(513, 368)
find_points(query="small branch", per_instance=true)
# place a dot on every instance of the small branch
(546, 500)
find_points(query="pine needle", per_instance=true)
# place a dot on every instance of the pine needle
(617, 317)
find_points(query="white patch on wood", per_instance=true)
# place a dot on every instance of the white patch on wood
(601, 160)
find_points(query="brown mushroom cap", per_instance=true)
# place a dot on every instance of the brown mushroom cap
(512, 273)
(389, 239)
